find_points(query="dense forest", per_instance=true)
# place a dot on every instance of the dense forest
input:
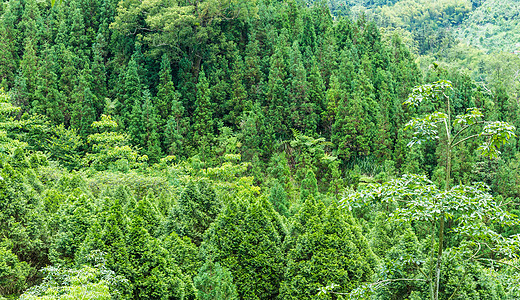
(239, 149)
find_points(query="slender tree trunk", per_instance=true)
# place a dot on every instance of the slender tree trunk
(447, 187)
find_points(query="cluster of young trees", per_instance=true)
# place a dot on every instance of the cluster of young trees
(200, 150)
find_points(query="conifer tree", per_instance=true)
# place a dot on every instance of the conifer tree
(239, 101)
(73, 221)
(150, 135)
(48, 99)
(78, 34)
(278, 198)
(332, 99)
(252, 63)
(354, 127)
(135, 123)
(310, 262)
(196, 209)
(152, 274)
(7, 61)
(99, 76)
(203, 116)
(22, 226)
(148, 212)
(130, 94)
(246, 238)
(167, 98)
(29, 70)
(215, 282)
(84, 101)
(277, 93)
(112, 241)
(302, 109)
(309, 186)
(187, 85)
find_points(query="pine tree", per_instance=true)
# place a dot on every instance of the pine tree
(135, 123)
(187, 85)
(238, 102)
(152, 274)
(48, 99)
(99, 76)
(167, 102)
(174, 136)
(277, 92)
(302, 109)
(78, 34)
(73, 221)
(148, 212)
(113, 240)
(29, 70)
(7, 61)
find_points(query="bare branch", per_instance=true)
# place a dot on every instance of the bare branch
(500, 262)
(469, 137)
(466, 127)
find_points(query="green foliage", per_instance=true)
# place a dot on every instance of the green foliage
(470, 209)
(309, 186)
(194, 212)
(214, 282)
(278, 198)
(13, 273)
(109, 115)
(111, 149)
(85, 282)
(324, 246)
(245, 238)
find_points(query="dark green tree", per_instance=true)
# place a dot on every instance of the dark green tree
(309, 186)
(196, 209)
(279, 200)
(325, 246)
(203, 134)
(245, 238)
(215, 283)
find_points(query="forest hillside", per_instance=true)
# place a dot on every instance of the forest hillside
(238, 149)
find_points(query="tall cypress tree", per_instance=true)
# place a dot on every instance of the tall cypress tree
(309, 186)
(277, 98)
(215, 282)
(278, 198)
(99, 75)
(83, 110)
(171, 111)
(130, 94)
(29, 69)
(246, 238)
(203, 116)
(238, 102)
(167, 97)
(196, 209)
(302, 109)
(7, 61)
(311, 263)
(151, 125)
